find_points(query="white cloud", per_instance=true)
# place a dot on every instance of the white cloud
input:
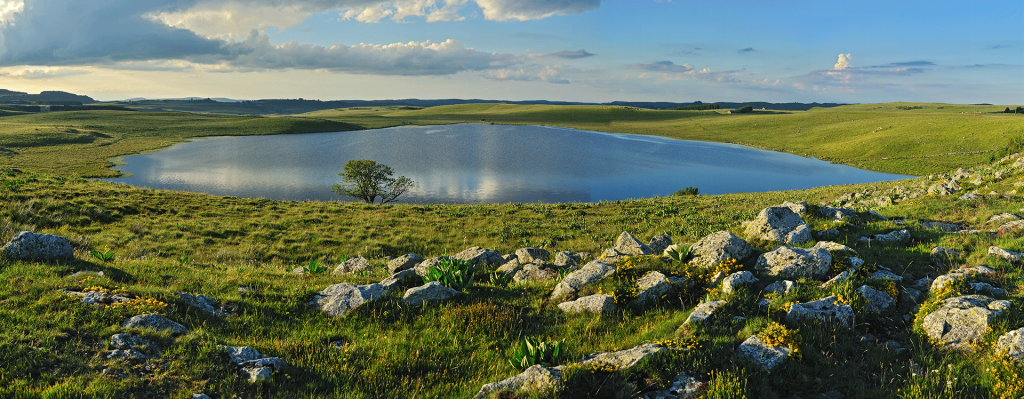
(524, 10)
(549, 74)
(44, 73)
(843, 62)
(9, 7)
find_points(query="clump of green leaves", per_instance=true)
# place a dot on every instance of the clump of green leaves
(456, 274)
(680, 254)
(314, 267)
(529, 353)
(500, 279)
(105, 257)
(184, 260)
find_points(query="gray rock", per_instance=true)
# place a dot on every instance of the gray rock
(736, 280)
(509, 267)
(830, 233)
(130, 354)
(357, 264)
(779, 224)
(842, 276)
(795, 263)
(535, 272)
(1009, 256)
(944, 188)
(566, 259)
(886, 275)
(945, 227)
(97, 298)
(683, 386)
(911, 294)
(531, 255)
(622, 359)
(537, 378)
(588, 274)
(923, 283)
(481, 256)
(86, 273)
(764, 356)
(402, 280)
(255, 374)
(1012, 343)
(247, 357)
(878, 301)
(962, 320)
(837, 214)
(1014, 225)
(200, 396)
(796, 207)
(834, 247)
(890, 237)
(428, 293)
(1003, 218)
(718, 247)
(630, 246)
(339, 299)
(30, 246)
(782, 287)
(652, 286)
(969, 197)
(205, 303)
(944, 253)
(404, 262)
(155, 322)
(961, 274)
(598, 303)
(987, 288)
(825, 309)
(659, 243)
(423, 268)
(703, 311)
(128, 341)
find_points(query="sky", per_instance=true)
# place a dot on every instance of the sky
(559, 50)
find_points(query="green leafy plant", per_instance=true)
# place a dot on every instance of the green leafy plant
(105, 257)
(680, 254)
(687, 191)
(500, 279)
(314, 267)
(456, 274)
(184, 260)
(529, 353)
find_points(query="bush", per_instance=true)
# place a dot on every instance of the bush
(456, 274)
(529, 353)
(686, 191)
(743, 110)
(701, 107)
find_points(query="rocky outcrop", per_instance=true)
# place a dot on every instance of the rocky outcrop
(357, 264)
(205, 304)
(536, 378)
(719, 247)
(659, 243)
(795, 263)
(1012, 343)
(627, 245)
(826, 310)
(588, 274)
(598, 303)
(481, 256)
(944, 188)
(878, 301)
(254, 365)
(962, 320)
(154, 321)
(703, 311)
(431, 292)
(962, 274)
(404, 262)
(736, 280)
(1009, 256)
(683, 386)
(652, 286)
(764, 356)
(339, 299)
(30, 246)
(779, 224)
(532, 255)
(535, 272)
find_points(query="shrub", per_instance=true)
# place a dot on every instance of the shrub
(687, 191)
(529, 353)
(366, 180)
(456, 274)
(314, 267)
(700, 107)
(743, 110)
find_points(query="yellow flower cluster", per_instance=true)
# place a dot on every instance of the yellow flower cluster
(1008, 382)
(727, 267)
(890, 288)
(688, 343)
(141, 305)
(777, 334)
(591, 367)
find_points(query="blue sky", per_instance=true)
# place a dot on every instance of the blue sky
(572, 50)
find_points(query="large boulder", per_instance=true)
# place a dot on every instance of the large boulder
(30, 246)
(1012, 343)
(795, 263)
(154, 321)
(531, 254)
(481, 256)
(703, 312)
(622, 359)
(428, 293)
(535, 272)
(598, 303)
(825, 310)
(404, 262)
(779, 224)
(627, 245)
(878, 301)
(718, 247)
(736, 280)
(423, 268)
(357, 264)
(652, 286)
(566, 259)
(659, 243)
(339, 299)
(764, 356)
(402, 280)
(537, 378)
(963, 320)
(590, 273)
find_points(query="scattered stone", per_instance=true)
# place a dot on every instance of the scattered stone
(630, 246)
(969, 197)
(944, 188)
(200, 396)
(842, 276)
(651, 287)
(128, 341)
(944, 253)
(703, 311)
(625, 358)
(531, 255)
(357, 264)
(156, 322)
(987, 288)
(830, 233)
(825, 309)
(535, 378)
(509, 267)
(1014, 225)
(598, 303)
(837, 214)
(339, 299)
(566, 259)
(1003, 217)
(682, 387)
(112, 374)
(779, 224)
(962, 274)
(206, 304)
(1009, 256)
(764, 356)
(255, 366)
(886, 275)
(795, 263)
(834, 247)
(535, 272)
(911, 294)
(30, 246)
(97, 298)
(130, 354)
(736, 280)
(719, 247)
(782, 287)
(402, 280)
(945, 227)
(86, 273)
(796, 207)
(962, 320)
(428, 293)
(1012, 343)
(659, 243)
(878, 301)
(589, 273)
(404, 262)
(890, 237)
(481, 256)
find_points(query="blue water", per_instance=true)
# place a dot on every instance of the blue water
(471, 163)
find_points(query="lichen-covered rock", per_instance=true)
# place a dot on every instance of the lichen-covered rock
(423, 268)
(154, 321)
(535, 378)
(961, 274)
(428, 293)
(509, 267)
(630, 246)
(404, 262)
(1009, 256)
(206, 304)
(736, 280)
(254, 365)
(878, 301)
(944, 227)
(402, 280)
(1003, 217)
(97, 298)
(962, 320)
(764, 356)
(842, 276)
(130, 354)
(38, 247)
(651, 287)
(703, 311)
(779, 224)
(591, 272)
(782, 287)
(837, 214)
(659, 243)
(357, 264)
(886, 275)
(944, 253)
(944, 188)
(795, 263)
(481, 256)
(535, 272)
(531, 255)
(834, 247)
(796, 207)
(127, 341)
(1012, 343)
(566, 259)
(825, 309)
(598, 303)
(622, 359)
(339, 299)
(890, 237)
(987, 288)
(718, 247)
(683, 386)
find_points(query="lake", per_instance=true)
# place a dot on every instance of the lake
(477, 163)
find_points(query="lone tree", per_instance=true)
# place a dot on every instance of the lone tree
(366, 180)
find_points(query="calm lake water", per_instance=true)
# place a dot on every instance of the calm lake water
(473, 163)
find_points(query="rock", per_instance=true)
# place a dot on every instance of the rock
(482, 256)
(837, 214)
(598, 303)
(782, 287)
(200, 396)
(923, 283)
(911, 294)
(531, 254)
(30, 246)
(1003, 217)
(404, 262)
(719, 247)
(255, 365)
(128, 341)
(878, 301)
(830, 233)
(834, 247)
(962, 320)
(764, 356)
(589, 273)
(97, 298)
(987, 288)
(944, 253)
(611, 255)
(130, 354)
(659, 243)
(86, 273)
(961, 274)
(779, 224)
(945, 227)
(886, 275)
(795, 262)
(630, 246)
(509, 267)
(969, 197)
(205, 303)
(1012, 343)
(155, 322)
(339, 299)
(1009, 256)
(625, 358)
(566, 259)
(428, 293)
(944, 188)
(1007, 227)
(825, 309)
(796, 207)
(535, 272)
(890, 237)
(357, 264)
(736, 280)
(654, 285)
(681, 387)
(423, 268)
(842, 276)
(703, 311)
(537, 378)
(402, 280)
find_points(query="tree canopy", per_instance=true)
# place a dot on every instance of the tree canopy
(366, 180)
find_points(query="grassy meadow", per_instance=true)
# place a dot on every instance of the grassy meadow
(164, 242)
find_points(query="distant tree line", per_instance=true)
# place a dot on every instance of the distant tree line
(1018, 110)
(700, 107)
(743, 109)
